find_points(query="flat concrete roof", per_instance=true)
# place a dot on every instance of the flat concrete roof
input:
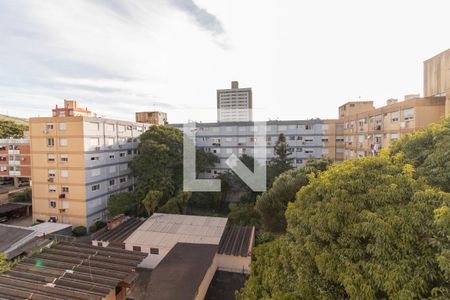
(49, 227)
(165, 230)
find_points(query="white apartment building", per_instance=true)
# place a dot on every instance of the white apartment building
(235, 104)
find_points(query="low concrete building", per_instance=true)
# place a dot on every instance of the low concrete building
(161, 232)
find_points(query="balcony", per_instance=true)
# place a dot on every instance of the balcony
(14, 162)
(14, 173)
(14, 152)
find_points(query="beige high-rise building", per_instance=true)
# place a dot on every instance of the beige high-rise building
(78, 162)
(436, 75)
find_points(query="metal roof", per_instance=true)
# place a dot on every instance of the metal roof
(165, 230)
(237, 240)
(119, 233)
(70, 271)
(13, 236)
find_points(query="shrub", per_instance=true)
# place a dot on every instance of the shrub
(93, 228)
(100, 224)
(79, 231)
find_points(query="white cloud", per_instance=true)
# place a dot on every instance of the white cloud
(302, 59)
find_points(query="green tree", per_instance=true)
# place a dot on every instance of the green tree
(4, 264)
(122, 203)
(243, 214)
(151, 201)
(282, 161)
(177, 204)
(10, 129)
(363, 229)
(159, 164)
(428, 151)
(271, 205)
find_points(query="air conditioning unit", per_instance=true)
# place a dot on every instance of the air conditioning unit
(62, 196)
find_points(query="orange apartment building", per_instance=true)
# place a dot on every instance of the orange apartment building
(152, 117)
(78, 162)
(15, 160)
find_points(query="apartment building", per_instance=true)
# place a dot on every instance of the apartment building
(152, 117)
(436, 75)
(307, 139)
(235, 104)
(15, 160)
(367, 130)
(78, 162)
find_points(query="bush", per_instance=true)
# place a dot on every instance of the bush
(24, 196)
(79, 231)
(100, 224)
(93, 228)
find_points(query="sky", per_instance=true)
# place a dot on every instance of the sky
(302, 59)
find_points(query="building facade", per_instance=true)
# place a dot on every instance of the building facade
(78, 162)
(235, 104)
(15, 160)
(152, 117)
(367, 130)
(307, 139)
(436, 75)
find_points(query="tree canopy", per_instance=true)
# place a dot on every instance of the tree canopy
(10, 129)
(429, 151)
(271, 205)
(363, 229)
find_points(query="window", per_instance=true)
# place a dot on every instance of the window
(62, 126)
(95, 157)
(122, 154)
(52, 189)
(112, 156)
(394, 136)
(65, 189)
(112, 182)
(154, 251)
(123, 179)
(51, 157)
(408, 114)
(95, 187)
(64, 173)
(52, 203)
(308, 127)
(63, 142)
(137, 248)
(94, 142)
(109, 141)
(62, 113)
(51, 173)
(64, 158)
(49, 126)
(394, 116)
(65, 204)
(51, 142)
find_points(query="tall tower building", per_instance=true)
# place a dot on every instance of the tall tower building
(235, 104)
(436, 76)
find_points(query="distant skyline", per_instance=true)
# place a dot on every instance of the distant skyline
(301, 59)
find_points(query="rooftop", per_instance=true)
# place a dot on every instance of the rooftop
(120, 233)
(12, 236)
(237, 241)
(181, 272)
(165, 230)
(49, 227)
(70, 271)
